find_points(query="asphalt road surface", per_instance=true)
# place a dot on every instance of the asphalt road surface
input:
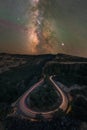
(27, 112)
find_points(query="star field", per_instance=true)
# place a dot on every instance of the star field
(43, 26)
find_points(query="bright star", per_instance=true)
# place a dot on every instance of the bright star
(62, 44)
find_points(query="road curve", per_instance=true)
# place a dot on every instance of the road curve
(26, 111)
(64, 103)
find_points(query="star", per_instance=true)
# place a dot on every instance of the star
(62, 44)
(18, 19)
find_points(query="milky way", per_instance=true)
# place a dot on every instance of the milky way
(40, 35)
(43, 26)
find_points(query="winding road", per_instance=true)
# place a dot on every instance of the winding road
(27, 112)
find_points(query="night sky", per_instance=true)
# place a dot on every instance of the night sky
(43, 26)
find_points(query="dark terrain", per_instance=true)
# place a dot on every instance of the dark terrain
(19, 72)
(45, 98)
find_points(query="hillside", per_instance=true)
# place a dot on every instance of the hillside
(19, 72)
